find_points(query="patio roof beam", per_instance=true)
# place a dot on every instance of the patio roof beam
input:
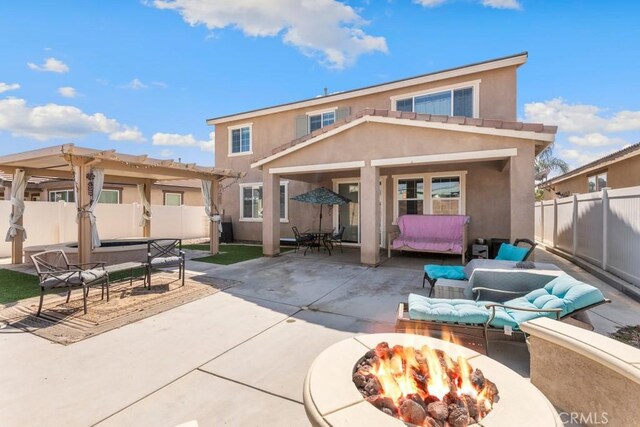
(465, 156)
(325, 167)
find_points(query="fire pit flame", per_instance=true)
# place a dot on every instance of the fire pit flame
(424, 387)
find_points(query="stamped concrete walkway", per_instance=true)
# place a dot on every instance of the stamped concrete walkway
(235, 358)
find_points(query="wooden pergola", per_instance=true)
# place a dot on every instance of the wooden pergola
(76, 163)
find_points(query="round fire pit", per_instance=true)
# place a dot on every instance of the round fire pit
(332, 399)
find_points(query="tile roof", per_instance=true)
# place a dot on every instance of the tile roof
(457, 120)
(610, 158)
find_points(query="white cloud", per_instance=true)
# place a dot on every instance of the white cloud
(6, 87)
(502, 4)
(136, 84)
(178, 140)
(166, 153)
(595, 140)
(162, 85)
(578, 158)
(67, 92)
(51, 65)
(495, 4)
(326, 29)
(580, 118)
(127, 134)
(49, 121)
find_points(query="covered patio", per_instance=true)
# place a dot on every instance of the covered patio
(380, 151)
(88, 170)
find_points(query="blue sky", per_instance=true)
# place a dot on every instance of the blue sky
(143, 76)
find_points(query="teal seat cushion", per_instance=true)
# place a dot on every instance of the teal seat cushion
(446, 310)
(453, 272)
(563, 292)
(508, 252)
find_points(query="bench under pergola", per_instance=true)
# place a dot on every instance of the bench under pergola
(83, 165)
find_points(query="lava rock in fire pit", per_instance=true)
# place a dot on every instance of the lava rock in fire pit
(373, 387)
(477, 378)
(385, 404)
(412, 412)
(471, 405)
(459, 417)
(438, 411)
(418, 399)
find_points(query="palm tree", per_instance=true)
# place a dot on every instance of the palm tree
(546, 162)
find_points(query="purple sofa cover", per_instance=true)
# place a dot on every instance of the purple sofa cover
(441, 233)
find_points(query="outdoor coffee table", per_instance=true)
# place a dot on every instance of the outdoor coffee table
(116, 268)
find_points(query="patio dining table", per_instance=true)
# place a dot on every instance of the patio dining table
(321, 238)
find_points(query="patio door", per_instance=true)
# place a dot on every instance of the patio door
(349, 215)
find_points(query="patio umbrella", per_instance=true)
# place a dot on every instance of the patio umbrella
(321, 196)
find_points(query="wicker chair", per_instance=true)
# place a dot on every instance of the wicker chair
(56, 273)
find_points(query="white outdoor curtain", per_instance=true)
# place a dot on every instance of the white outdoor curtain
(18, 186)
(146, 206)
(206, 195)
(98, 183)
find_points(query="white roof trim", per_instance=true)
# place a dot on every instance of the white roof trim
(593, 168)
(448, 157)
(538, 136)
(324, 167)
(462, 71)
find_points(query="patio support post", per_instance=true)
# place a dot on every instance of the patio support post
(214, 235)
(146, 228)
(270, 213)
(84, 221)
(521, 175)
(18, 240)
(370, 215)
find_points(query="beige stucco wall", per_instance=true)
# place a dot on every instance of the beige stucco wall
(625, 173)
(488, 184)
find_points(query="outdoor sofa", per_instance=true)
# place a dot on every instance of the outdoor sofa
(430, 233)
(561, 298)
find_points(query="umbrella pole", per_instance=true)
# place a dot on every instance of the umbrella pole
(320, 224)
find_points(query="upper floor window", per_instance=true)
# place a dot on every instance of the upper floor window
(240, 139)
(317, 121)
(597, 182)
(452, 102)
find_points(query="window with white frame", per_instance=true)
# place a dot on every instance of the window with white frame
(240, 139)
(109, 196)
(597, 182)
(451, 102)
(320, 120)
(251, 202)
(172, 199)
(410, 196)
(443, 196)
(62, 195)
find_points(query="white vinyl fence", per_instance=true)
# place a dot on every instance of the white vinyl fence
(55, 222)
(602, 228)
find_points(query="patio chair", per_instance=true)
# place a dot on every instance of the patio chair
(337, 237)
(561, 298)
(303, 241)
(507, 252)
(164, 253)
(56, 273)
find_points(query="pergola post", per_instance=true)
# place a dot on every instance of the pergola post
(146, 228)
(270, 213)
(84, 221)
(214, 236)
(370, 215)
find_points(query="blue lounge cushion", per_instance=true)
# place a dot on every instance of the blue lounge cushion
(453, 272)
(446, 310)
(508, 252)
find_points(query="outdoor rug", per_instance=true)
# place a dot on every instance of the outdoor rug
(66, 323)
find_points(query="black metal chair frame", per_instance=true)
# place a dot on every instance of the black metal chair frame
(306, 241)
(164, 248)
(337, 238)
(60, 271)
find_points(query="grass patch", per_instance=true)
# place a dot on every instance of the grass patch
(15, 286)
(230, 254)
(628, 335)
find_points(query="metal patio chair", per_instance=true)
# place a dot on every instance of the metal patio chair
(162, 253)
(303, 241)
(337, 237)
(56, 273)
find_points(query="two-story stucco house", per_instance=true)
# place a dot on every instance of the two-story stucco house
(441, 143)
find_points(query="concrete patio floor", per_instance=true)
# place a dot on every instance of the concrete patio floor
(237, 357)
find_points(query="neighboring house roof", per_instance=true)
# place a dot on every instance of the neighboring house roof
(512, 60)
(625, 153)
(532, 131)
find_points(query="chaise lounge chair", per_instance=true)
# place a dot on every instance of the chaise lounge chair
(561, 298)
(507, 252)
